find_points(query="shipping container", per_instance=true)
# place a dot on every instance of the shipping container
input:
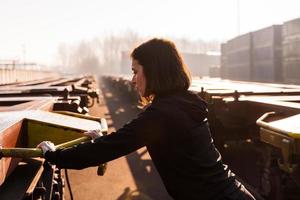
(223, 61)
(266, 54)
(238, 58)
(214, 71)
(199, 64)
(291, 51)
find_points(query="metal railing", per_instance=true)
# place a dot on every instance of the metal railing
(14, 71)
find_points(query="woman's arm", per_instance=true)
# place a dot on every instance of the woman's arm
(146, 128)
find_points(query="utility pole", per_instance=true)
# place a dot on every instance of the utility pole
(238, 16)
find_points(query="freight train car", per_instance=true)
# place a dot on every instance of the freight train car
(52, 109)
(263, 152)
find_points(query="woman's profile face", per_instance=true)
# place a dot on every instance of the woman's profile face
(138, 79)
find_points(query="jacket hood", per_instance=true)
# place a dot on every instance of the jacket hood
(187, 101)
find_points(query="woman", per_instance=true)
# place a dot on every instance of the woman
(173, 127)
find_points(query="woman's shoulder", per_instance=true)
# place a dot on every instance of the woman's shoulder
(181, 97)
(182, 101)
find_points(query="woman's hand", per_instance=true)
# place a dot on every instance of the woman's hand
(46, 146)
(93, 133)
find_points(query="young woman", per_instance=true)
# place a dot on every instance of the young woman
(173, 127)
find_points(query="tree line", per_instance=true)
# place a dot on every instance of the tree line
(103, 55)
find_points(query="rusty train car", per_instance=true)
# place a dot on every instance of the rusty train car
(267, 55)
(55, 109)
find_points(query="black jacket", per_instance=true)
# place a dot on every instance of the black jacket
(175, 131)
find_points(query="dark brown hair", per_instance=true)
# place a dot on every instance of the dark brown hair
(163, 66)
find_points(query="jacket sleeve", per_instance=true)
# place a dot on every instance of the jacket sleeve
(144, 129)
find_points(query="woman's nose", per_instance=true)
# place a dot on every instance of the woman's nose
(133, 80)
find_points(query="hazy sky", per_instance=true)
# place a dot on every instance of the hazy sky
(34, 28)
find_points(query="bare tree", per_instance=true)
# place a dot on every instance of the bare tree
(84, 58)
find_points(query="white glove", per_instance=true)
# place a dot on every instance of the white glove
(46, 146)
(93, 133)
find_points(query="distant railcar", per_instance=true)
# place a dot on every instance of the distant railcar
(214, 71)
(200, 64)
